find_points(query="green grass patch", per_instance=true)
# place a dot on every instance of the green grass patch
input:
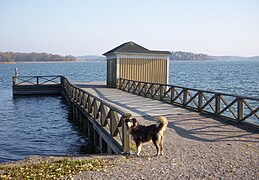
(132, 146)
(51, 170)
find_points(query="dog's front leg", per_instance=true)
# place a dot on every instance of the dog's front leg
(139, 146)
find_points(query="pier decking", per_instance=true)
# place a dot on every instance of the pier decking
(187, 123)
(133, 104)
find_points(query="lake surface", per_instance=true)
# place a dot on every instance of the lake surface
(42, 125)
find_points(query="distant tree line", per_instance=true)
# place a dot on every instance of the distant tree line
(33, 57)
(180, 55)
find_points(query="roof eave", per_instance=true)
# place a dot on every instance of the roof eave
(139, 53)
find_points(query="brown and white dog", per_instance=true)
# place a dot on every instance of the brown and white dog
(142, 134)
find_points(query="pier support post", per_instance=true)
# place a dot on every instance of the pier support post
(85, 123)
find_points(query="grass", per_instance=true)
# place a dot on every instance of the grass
(132, 146)
(51, 170)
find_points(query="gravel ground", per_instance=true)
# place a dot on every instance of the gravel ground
(196, 147)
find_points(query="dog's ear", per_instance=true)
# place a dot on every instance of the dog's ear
(134, 120)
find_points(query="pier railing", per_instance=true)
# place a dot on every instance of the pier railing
(104, 123)
(108, 120)
(238, 108)
(36, 85)
(36, 80)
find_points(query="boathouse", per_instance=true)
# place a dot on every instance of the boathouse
(134, 62)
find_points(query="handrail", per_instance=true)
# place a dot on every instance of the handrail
(110, 118)
(206, 91)
(36, 80)
(238, 108)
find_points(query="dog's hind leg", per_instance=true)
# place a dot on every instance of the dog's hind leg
(161, 144)
(139, 146)
(156, 143)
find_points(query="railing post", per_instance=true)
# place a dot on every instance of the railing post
(95, 111)
(113, 123)
(161, 91)
(129, 85)
(133, 86)
(217, 104)
(103, 115)
(172, 95)
(240, 109)
(125, 136)
(152, 90)
(145, 89)
(14, 80)
(184, 97)
(200, 100)
(37, 80)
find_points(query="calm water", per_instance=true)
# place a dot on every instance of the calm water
(41, 125)
(234, 77)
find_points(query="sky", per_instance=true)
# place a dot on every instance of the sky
(82, 27)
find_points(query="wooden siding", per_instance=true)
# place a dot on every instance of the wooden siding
(112, 73)
(141, 69)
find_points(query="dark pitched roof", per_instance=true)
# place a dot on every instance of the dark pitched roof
(131, 47)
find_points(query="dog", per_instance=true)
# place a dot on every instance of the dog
(142, 134)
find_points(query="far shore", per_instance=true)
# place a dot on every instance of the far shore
(7, 62)
(28, 62)
(77, 61)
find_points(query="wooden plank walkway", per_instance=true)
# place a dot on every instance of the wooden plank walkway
(136, 105)
(196, 146)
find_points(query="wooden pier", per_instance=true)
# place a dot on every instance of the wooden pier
(203, 126)
(102, 110)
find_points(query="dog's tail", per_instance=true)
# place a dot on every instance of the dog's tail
(161, 124)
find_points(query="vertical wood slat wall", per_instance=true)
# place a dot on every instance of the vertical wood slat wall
(111, 72)
(140, 69)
